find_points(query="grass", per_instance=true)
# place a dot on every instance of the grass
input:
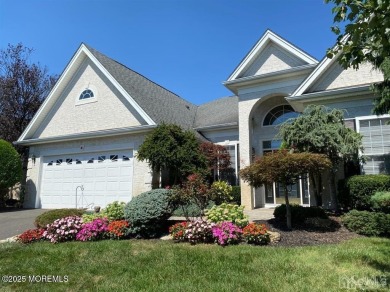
(155, 265)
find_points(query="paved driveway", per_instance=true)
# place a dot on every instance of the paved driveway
(16, 221)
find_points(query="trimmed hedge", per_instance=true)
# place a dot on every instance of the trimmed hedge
(381, 202)
(299, 213)
(148, 213)
(367, 223)
(362, 187)
(50, 216)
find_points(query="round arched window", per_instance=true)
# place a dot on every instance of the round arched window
(86, 94)
(279, 115)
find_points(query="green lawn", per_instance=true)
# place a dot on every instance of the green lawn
(154, 265)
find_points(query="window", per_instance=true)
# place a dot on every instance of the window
(91, 160)
(59, 161)
(125, 158)
(69, 160)
(50, 163)
(86, 94)
(279, 115)
(101, 158)
(78, 161)
(376, 143)
(114, 158)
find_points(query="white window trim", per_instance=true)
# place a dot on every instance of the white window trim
(87, 100)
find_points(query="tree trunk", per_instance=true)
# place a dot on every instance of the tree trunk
(156, 179)
(288, 209)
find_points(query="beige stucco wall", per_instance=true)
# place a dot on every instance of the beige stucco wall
(337, 77)
(251, 108)
(272, 59)
(107, 110)
(141, 180)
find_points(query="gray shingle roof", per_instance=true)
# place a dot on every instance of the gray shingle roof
(217, 112)
(159, 103)
(163, 105)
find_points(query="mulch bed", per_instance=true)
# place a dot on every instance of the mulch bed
(312, 232)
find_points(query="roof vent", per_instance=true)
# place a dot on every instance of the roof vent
(188, 107)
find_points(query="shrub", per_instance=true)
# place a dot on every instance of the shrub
(199, 231)
(31, 235)
(94, 230)
(115, 211)
(362, 187)
(367, 223)
(195, 191)
(381, 201)
(148, 212)
(225, 233)
(89, 217)
(256, 234)
(236, 195)
(178, 230)
(50, 216)
(10, 169)
(299, 213)
(118, 229)
(190, 210)
(221, 192)
(228, 212)
(64, 229)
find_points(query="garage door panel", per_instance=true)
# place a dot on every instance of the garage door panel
(103, 182)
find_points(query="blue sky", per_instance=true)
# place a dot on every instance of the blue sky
(187, 46)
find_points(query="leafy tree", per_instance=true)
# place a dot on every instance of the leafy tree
(170, 148)
(365, 38)
(217, 160)
(194, 190)
(23, 87)
(322, 130)
(283, 167)
(10, 169)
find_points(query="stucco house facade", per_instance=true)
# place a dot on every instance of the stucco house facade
(84, 138)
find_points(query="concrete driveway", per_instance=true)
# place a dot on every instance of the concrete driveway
(15, 221)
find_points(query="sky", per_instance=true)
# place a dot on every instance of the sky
(187, 46)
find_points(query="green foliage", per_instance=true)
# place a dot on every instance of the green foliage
(365, 38)
(50, 216)
(217, 160)
(381, 202)
(147, 213)
(89, 217)
(299, 213)
(361, 188)
(227, 212)
(236, 195)
(190, 210)
(115, 211)
(367, 223)
(194, 191)
(221, 192)
(169, 147)
(10, 168)
(322, 130)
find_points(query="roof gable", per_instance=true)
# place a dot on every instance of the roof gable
(271, 54)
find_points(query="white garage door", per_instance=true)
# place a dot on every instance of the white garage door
(105, 177)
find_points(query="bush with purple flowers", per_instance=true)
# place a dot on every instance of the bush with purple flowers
(94, 230)
(199, 231)
(226, 233)
(64, 229)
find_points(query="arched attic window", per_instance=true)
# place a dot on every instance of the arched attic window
(279, 115)
(86, 94)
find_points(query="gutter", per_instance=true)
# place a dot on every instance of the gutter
(87, 135)
(330, 94)
(218, 126)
